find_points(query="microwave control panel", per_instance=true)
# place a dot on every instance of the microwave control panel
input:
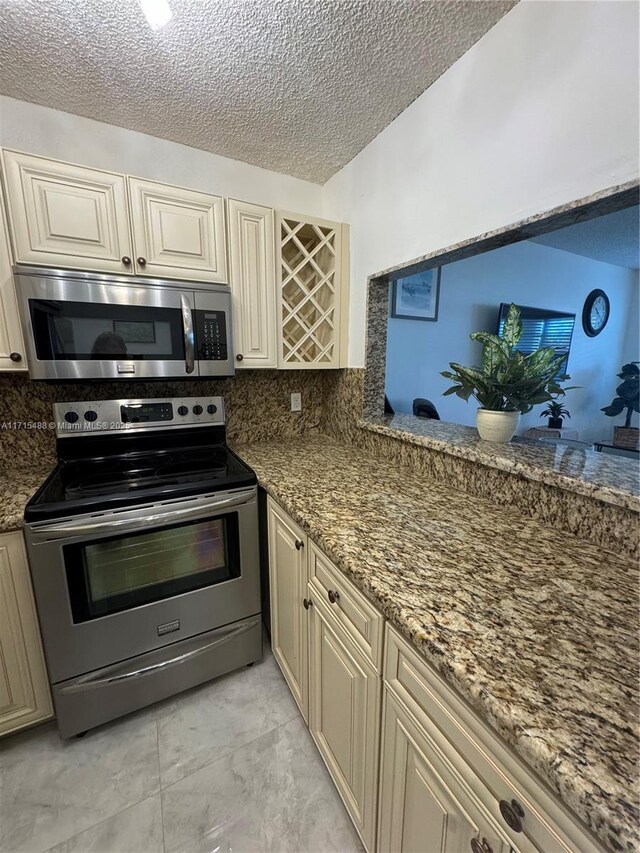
(211, 336)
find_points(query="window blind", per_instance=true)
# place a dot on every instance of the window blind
(552, 332)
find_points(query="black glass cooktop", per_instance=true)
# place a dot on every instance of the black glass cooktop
(89, 484)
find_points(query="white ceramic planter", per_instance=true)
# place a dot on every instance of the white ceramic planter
(497, 426)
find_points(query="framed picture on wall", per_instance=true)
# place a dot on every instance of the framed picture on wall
(416, 297)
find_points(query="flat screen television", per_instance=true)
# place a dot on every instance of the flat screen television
(542, 328)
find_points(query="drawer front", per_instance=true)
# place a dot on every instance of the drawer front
(351, 610)
(490, 767)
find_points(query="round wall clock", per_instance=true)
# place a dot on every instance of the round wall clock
(595, 313)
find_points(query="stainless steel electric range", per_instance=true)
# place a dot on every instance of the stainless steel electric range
(144, 553)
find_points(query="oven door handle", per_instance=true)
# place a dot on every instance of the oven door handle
(187, 331)
(65, 531)
(101, 678)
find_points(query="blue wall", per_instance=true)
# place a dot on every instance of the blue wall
(530, 274)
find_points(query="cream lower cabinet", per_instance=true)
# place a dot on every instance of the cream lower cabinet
(424, 805)
(24, 686)
(253, 286)
(12, 352)
(344, 715)
(288, 575)
(423, 773)
(448, 783)
(64, 215)
(326, 643)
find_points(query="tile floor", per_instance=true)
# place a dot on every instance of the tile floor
(228, 766)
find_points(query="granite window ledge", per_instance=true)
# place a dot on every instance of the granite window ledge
(605, 478)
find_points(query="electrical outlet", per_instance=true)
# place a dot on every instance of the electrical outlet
(296, 402)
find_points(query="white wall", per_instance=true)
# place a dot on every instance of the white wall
(529, 274)
(543, 110)
(51, 133)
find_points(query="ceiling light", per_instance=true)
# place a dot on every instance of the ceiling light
(157, 12)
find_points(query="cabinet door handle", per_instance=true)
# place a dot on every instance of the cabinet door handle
(299, 544)
(334, 596)
(15, 356)
(239, 357)
(126, 260)
(512, 813)
(141, 262)
(307, 603)
(481, 846)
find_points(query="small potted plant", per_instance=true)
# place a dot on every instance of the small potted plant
(626, 400)
(508, 383)
(555, 411)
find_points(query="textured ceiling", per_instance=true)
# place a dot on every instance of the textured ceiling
(614, 238)
(297, 86)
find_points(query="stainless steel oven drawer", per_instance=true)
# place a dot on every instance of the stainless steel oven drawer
(84, 702)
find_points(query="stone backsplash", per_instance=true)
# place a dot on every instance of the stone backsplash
(258, 406)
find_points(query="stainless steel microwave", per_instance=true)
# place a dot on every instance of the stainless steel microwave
(81, 325)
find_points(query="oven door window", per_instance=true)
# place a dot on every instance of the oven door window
(110, 575)
(65, 330)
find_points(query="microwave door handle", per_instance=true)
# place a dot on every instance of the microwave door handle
(64, 531)
(187, 331)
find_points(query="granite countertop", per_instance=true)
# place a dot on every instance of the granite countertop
(611, 479)
(17, 485)
(535, 628)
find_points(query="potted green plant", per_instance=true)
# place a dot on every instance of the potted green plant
(555, 411)
(508, 383)
(626, 401)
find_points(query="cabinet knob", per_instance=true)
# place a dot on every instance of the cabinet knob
(481, 846)
(307, 603)
(142, 262)
(299, 544)
(126, 260)
(334, 596)
(239, 357)
(512, 813)
(15, 356)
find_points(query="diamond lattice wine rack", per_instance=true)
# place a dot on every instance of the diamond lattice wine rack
(310, 258)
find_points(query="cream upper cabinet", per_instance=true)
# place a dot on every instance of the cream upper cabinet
(289, 273)
(288, 588)
(313, 280)
(344, 714)
(177, 232)
(12, 352)
(67, 216)
(252, 279)
(24, 686)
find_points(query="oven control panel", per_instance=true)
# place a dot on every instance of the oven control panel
(114, 416)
